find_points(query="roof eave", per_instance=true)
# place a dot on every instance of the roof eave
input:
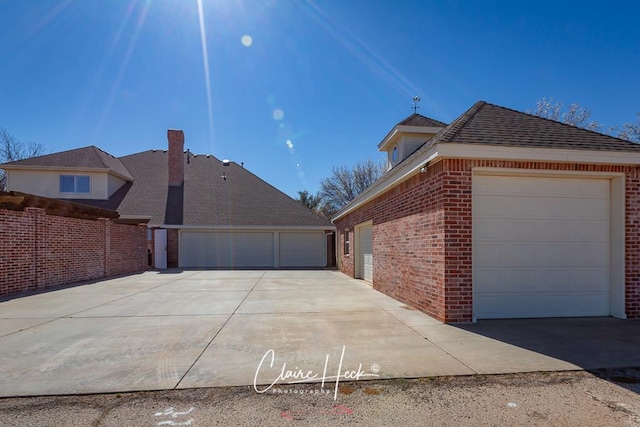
(441, 151)
(9, 166)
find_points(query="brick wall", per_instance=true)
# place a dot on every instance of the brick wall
(422, 236)
(172, 248)
(39, 251)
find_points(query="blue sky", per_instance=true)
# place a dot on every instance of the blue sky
(295, 87)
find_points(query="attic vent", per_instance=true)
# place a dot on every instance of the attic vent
(226, 162)
(207, 156)
(154, 150)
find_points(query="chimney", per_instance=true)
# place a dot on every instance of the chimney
(176, 156)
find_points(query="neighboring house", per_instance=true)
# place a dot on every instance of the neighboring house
(500, 214)
(202, 212)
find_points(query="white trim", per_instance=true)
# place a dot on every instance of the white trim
(483, 151)
(437, 152)
(544, 172)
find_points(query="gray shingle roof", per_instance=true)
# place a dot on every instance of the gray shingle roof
(420, 120)
(490, 124)
(87, 157)
(242, 199)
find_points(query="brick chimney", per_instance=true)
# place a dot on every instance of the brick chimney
(176, 156)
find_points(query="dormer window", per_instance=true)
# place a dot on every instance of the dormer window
(75, 184)
(394, 155)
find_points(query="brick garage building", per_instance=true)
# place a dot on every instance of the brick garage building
(500, 214)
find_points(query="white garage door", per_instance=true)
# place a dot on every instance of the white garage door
(365, 253)
(540, 247)
(302, 249)
(226, 249)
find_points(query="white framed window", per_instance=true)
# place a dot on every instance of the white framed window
(75, 184)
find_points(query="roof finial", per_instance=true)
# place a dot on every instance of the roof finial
(416, 99)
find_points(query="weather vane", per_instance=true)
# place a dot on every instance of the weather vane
(416, 99)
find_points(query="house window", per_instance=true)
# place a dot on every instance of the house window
(346, 242)
(75, 184)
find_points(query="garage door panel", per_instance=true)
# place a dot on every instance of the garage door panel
(541, 246)
(298, 249)
(226, 249)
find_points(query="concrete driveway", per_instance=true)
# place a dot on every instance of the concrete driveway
(186, 329)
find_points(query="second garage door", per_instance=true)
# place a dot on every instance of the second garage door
(252, 249)
(226, 249)
(541, 246)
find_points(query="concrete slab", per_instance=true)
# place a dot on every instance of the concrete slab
(55, 304)
(304, 301)
(176, 303)
(10, 326)
(375, 341)
(207, 285)
(87, 355)
(162, 330)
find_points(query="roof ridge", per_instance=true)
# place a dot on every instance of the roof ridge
(449, 132)
(98, 151)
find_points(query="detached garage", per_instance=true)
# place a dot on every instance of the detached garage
(500, 214)
(252, 249)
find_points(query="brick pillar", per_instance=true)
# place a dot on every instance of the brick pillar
(37, 276)
(106, 244)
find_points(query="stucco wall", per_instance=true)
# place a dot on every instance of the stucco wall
(47, 183)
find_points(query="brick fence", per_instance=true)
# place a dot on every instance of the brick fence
(38, 251)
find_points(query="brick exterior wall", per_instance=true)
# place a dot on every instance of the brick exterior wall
(172, 248)
(422, 236)
(38, 251)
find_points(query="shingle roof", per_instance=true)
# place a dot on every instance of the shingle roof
(420, 120)
(87, 157)
(242, 199)
(490, 124)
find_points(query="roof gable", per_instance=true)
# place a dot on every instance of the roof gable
(90, 157)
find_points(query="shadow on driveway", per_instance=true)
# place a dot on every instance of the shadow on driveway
(607, 347)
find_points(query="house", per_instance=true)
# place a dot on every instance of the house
(500, 214)
(201, 212)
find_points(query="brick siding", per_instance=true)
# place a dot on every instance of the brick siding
(172, 248)
(38, 251)
(422, 236)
